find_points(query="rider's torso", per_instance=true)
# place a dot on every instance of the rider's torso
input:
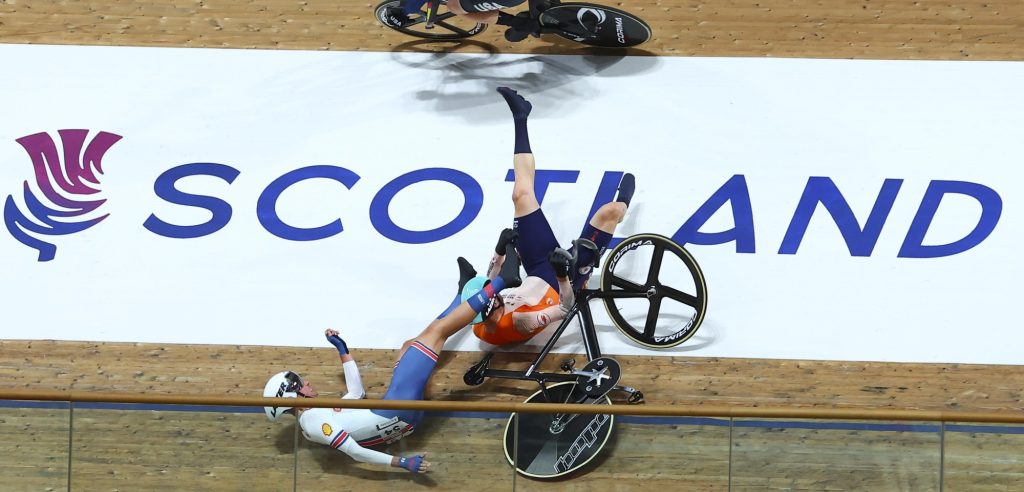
(532, 296)
(328, 426)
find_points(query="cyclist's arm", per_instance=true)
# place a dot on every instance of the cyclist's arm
(529, 323)
(495, 266)
(350, 447)
(364, 455)
(353, 381)
(566, 294)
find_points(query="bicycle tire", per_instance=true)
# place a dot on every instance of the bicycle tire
(654, 290)
(588, 23)
(538, 465)
(453, 30)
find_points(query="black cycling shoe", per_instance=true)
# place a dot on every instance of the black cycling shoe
(510, 268)
(466, 272)
(518, 104)
(396, 17)
(514, 35)
(520, 26)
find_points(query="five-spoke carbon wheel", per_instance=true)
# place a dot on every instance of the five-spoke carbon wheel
(660, 293)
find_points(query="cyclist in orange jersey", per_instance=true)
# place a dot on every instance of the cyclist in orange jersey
(516, 315)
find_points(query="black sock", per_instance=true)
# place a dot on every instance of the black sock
(520, 108)
(522, 137)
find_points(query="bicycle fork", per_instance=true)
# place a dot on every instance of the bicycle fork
(432, 7)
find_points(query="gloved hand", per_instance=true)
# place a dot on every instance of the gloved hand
(414, 464)
(508, 236)
(561, 261)
(332, 336)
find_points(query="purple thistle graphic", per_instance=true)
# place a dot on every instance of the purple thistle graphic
(62, 186)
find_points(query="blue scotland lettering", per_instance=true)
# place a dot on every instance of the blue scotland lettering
(860, 234)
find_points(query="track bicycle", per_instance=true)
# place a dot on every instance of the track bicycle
(586, 23)
(648, 273)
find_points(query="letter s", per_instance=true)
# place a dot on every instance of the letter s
(219, 209)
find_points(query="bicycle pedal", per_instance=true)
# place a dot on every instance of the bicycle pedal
(568, 365)
(635, 397)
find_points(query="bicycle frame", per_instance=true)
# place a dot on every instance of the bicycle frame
(579, 308)
(432, 6)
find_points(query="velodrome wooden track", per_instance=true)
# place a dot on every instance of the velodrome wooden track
(889, 29)
(137, 450)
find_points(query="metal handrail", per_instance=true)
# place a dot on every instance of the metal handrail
(679, 410)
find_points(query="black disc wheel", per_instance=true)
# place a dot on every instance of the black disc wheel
(660, 293)
(595, 25)
(447, 26)
(544, 445)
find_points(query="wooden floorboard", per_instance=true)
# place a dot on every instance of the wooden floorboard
(904, 29)
(121, 449)
(242, 370)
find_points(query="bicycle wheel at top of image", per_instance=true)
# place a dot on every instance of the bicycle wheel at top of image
(596, 25)
(447, 25)
(663, 294)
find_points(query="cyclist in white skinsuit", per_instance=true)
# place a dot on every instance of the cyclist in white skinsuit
(356, 427)
(351, 430)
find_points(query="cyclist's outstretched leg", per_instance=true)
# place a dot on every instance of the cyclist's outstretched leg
(439, 330)
(478, 11)
(523, 196)
(600, 230)
(486, 12)
(536, 239)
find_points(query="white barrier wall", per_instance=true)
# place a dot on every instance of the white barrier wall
(869, 210)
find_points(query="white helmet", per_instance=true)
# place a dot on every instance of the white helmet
(283, 384)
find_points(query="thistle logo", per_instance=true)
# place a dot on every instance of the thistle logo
(65, 189)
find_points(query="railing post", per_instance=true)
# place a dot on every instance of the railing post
(71, 434)
(515, 450)
(731, 421)
(295, 457)
(942, 454)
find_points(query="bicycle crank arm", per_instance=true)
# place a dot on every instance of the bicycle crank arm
(536, 376)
